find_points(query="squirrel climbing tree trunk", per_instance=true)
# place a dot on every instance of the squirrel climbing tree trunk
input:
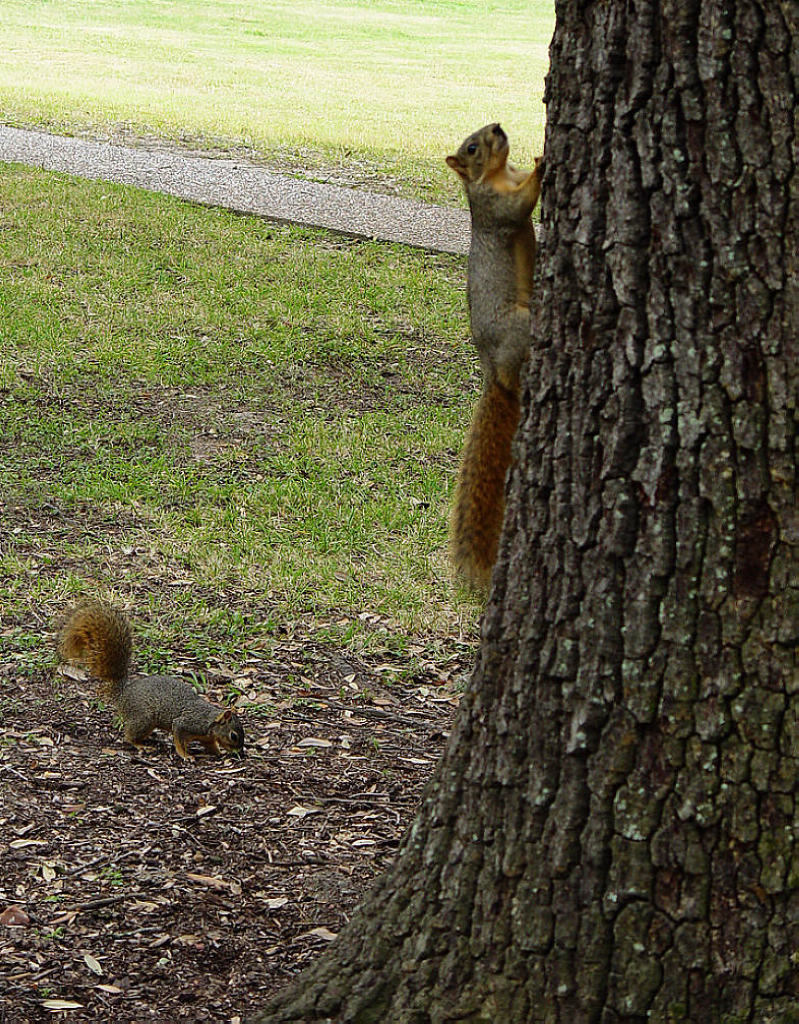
(611, 835)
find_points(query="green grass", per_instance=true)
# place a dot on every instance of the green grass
(229, 424)
(381, 86)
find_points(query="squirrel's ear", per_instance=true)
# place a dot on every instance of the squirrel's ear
(224, 716)
(457, 167)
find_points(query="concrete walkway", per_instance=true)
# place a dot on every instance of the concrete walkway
(245, 188)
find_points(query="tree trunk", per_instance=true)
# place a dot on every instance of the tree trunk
(612, 833)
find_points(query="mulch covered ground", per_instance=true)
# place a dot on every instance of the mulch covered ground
(143, 888)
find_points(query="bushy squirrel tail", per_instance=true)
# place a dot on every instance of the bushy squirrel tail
(98, 636)
(479, 506)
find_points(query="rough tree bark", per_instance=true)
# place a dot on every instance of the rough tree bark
(613, 833)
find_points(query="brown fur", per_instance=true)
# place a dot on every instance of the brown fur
(99, 636)
(479, 506)
(499, 287)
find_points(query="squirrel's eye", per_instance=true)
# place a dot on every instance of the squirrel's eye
(471, 149)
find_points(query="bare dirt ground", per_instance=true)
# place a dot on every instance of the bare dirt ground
(139, 888)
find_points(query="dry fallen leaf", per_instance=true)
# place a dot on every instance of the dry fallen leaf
(66, 918)
(277, 902)
(300, 812)
(72, 672)
(210, 880)
(92, 964)
(14, 917)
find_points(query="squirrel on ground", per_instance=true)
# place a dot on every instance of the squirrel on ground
(499, 288)
(99, 636)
